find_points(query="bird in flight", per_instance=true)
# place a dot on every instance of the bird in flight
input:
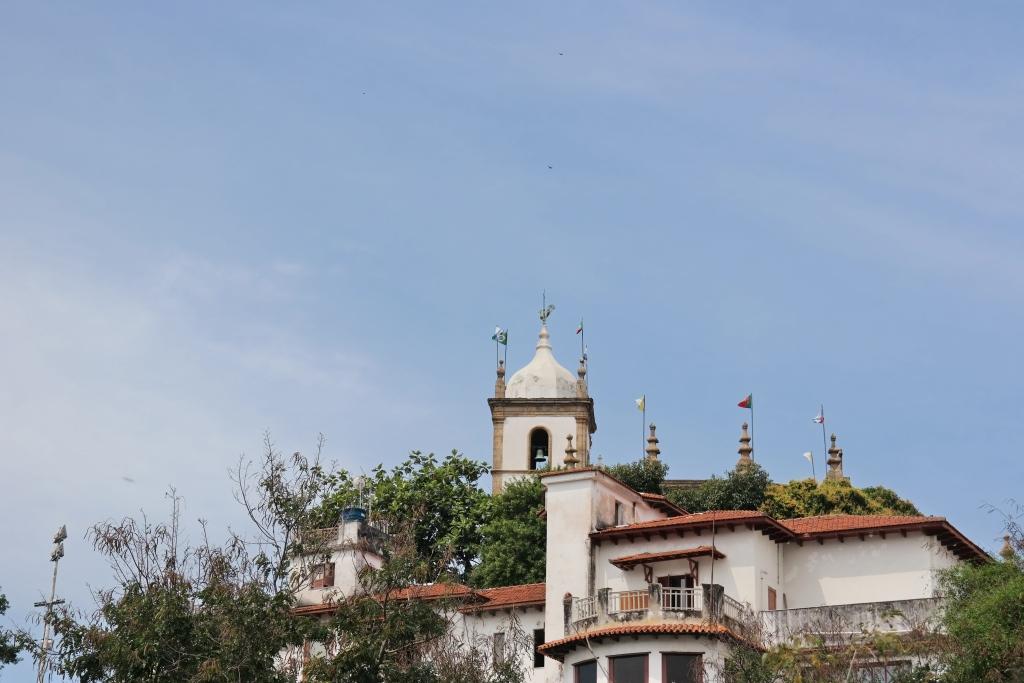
(128, 479)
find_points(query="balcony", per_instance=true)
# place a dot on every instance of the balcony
(838, 623)
(656, 603)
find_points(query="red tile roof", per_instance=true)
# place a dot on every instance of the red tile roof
(433, 591)
(505, 597)
(802, 529)
(826, 523)
(660, 502)
(524, 595)
(557, 649)
(630, 561)
(696, 522)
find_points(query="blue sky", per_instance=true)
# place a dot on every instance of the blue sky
(220, 220)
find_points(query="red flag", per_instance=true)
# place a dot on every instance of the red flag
(748, 402)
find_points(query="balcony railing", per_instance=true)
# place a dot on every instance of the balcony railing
(628, 601)
(681, 599)
(654, 602)
(843, 621)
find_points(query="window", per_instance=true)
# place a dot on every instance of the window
(540, 448)
(627, 669)
(498, 648)
(772, 599)
(620, 514)
(538, 640)
(682, 668)
(323, 575)
(586, 672)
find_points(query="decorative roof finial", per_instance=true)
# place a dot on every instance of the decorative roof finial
(499, 383)
(581, 379)
(546, 309)
(570, 453)
(1007, 552)
(652, 449)
(745, 450)
(835, 462)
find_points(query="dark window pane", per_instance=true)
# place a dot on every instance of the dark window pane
(538, 640)
(586, 672)
(682, 668)
(629, 669)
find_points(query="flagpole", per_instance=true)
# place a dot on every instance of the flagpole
(824, 442)
(643, 426)
(752, 423)
(506, 349)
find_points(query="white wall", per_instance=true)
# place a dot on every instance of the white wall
(747, 554)
(515, 443)
(481, 627)
(872, 570)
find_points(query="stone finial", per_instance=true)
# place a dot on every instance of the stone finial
(581, 379)
(652, 449)
(1007, 552)
(570, 453)
(835, 462)
(745, 450)
(499, 384)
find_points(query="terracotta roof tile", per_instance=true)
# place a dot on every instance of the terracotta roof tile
(433, 591)
(510, 596)
(630, 561)
(557, 649)
(826, 523)
(660, 502)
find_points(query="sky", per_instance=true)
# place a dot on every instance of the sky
(224, 220)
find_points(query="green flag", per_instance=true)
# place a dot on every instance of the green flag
(500, 336)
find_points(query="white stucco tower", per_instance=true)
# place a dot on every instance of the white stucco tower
(533, 414)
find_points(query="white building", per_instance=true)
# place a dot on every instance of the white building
(639, 591)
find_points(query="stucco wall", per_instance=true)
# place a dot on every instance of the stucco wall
(875, 569)
(480, 627)
(747, 554)
(515, 442)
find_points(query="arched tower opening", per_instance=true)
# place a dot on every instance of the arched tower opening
(540, 448)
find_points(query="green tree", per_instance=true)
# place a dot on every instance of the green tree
(443, 497)
(514, 537)
(178, 613)
(984, 620)
(11, 642)
(647, 476)
(743, 488)
(805, 498)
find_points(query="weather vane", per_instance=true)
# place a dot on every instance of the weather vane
(545, 312)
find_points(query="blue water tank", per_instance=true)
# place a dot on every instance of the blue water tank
(353, 514)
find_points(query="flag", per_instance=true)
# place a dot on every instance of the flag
(819, 419)
(579, 330)
(641, 403)
(809, 456)
(500, 336)
(748, 402)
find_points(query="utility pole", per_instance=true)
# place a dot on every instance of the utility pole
(55, 555)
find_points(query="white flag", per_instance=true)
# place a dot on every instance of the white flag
(641, 402)
(809, 456)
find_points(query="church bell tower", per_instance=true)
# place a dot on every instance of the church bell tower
(533, 413)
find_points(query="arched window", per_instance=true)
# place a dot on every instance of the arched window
(540, 448)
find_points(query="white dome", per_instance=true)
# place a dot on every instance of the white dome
(542, 377)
